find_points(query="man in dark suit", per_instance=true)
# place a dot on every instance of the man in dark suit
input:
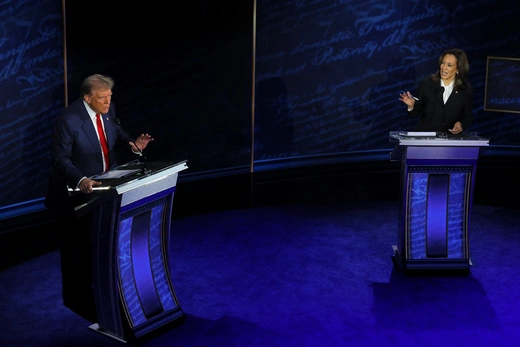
(444, 100)
(77, 154)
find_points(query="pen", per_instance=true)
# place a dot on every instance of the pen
(417, 99)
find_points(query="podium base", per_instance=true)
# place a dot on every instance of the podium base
(396, 258)
(429, 265)
(96, 328)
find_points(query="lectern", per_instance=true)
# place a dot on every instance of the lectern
(437, 182)
(132, 210)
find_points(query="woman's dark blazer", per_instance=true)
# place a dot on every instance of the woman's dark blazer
(434, 115)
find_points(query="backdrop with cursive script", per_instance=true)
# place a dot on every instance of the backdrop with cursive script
(313, 80)
(31, 94)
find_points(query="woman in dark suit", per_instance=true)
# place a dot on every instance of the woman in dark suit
(444, 100)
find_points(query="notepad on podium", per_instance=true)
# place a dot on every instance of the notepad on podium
(115, 174)
(418, 133)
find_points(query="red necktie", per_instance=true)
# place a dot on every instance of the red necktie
(102, 140)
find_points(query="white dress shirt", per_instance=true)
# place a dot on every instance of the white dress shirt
(447, 90)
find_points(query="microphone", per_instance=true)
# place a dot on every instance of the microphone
(118, 122)
(436, 91)
(443, 109)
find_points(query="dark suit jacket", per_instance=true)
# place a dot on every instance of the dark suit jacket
(75, 149)
(434, 115)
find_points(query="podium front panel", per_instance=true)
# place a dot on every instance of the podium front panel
(146, 289)
(436, 213)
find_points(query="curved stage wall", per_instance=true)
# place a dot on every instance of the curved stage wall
(325, 83)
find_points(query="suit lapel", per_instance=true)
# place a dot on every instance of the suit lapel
(89, 129)
(454, 96)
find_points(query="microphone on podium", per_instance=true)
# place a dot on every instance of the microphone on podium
(436, 91)
(443, 107)
(118, 122)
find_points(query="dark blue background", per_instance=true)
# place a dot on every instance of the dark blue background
(324, 77)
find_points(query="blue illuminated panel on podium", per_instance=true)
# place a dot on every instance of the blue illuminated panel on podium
(437, 180)
(133, 290)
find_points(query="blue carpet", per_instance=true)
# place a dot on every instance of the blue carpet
(309, 275)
